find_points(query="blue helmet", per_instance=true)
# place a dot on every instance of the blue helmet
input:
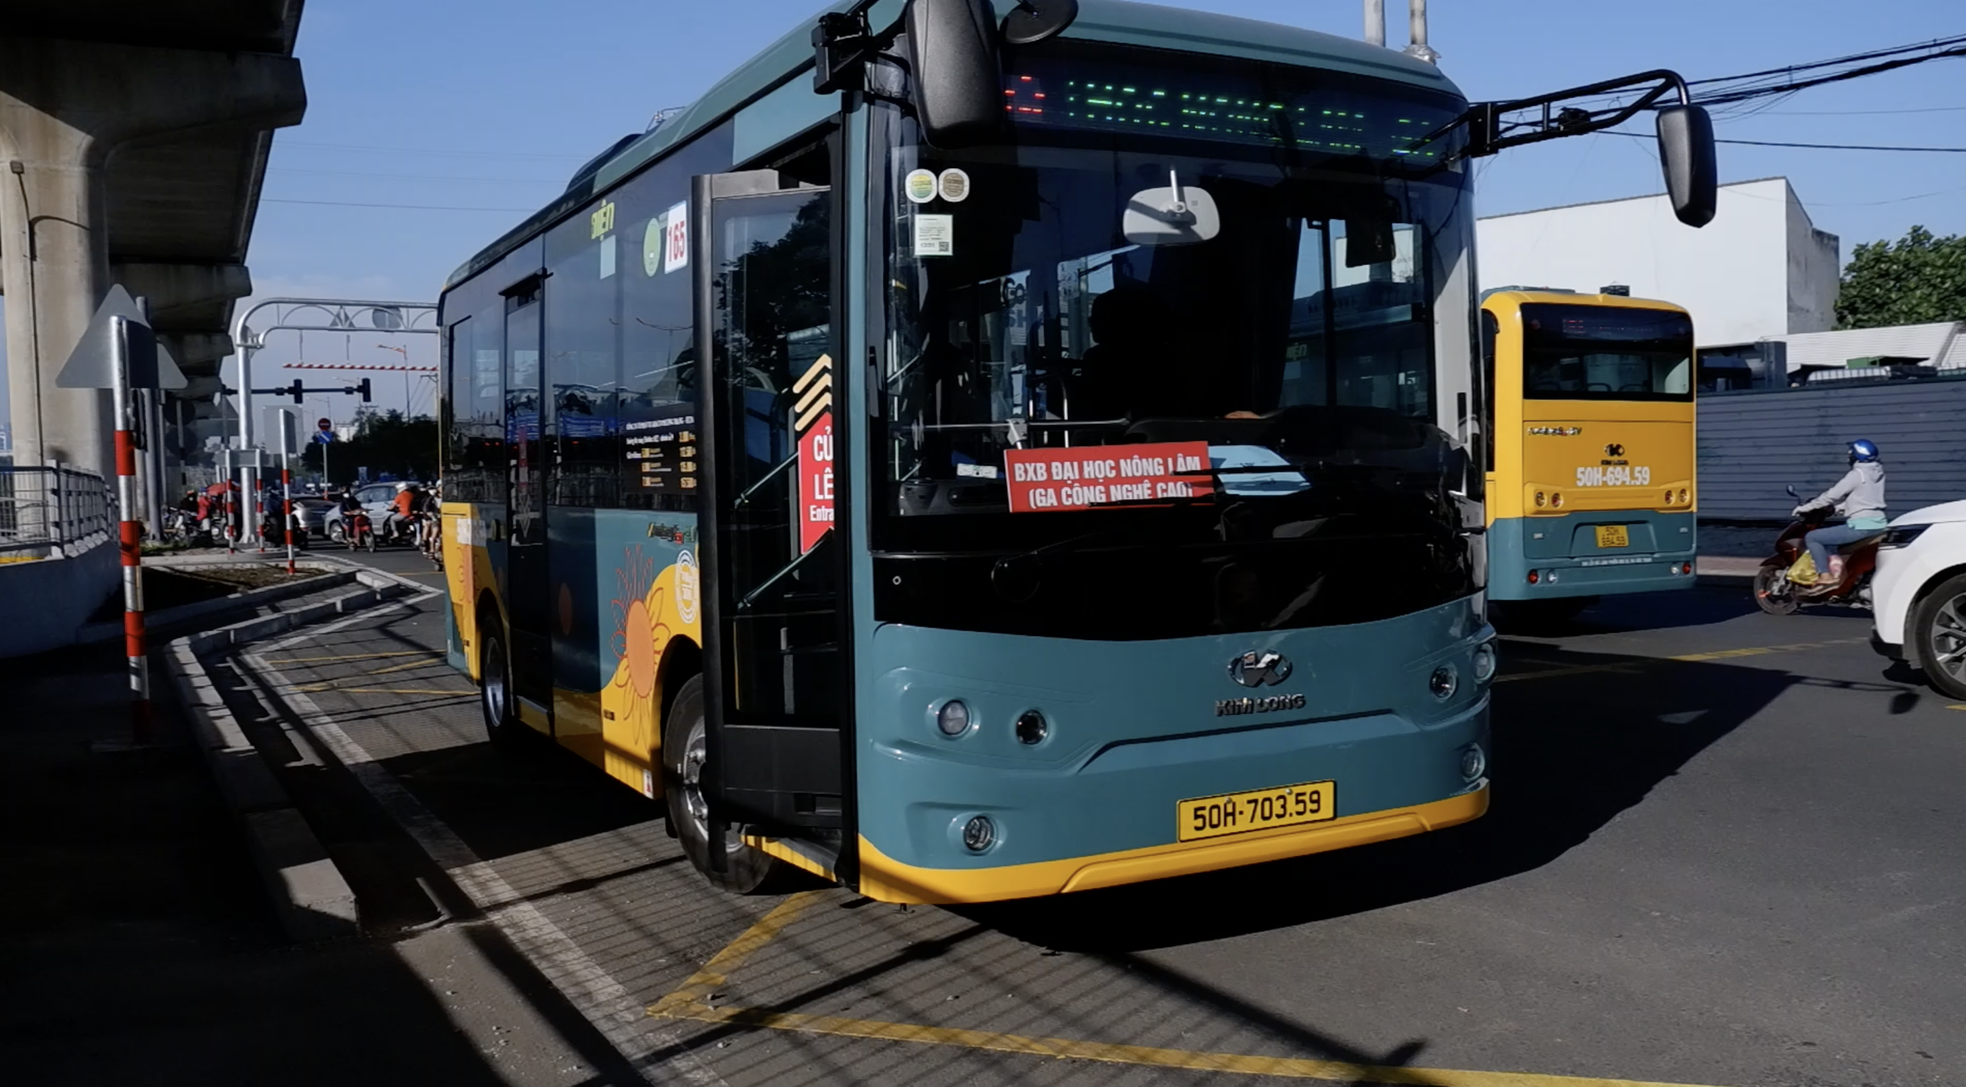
(1862, 450)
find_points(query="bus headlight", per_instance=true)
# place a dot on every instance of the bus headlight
(979, 833)
(1032, 728)
(1444, 682)
(1484, 662)
(953, 718)
(1474, 763)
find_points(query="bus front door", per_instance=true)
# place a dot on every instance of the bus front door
(526, 589)
(775, 658)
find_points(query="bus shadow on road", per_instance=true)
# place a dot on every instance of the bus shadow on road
(1570, 753)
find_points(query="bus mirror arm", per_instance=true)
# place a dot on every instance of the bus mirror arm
(1685, 131)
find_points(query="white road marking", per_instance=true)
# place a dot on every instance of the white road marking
(605, 1002)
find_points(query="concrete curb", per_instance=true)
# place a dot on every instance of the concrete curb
(168, 619)
(311, 897)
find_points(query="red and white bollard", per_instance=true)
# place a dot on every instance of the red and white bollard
(287, 514)
(130, 544)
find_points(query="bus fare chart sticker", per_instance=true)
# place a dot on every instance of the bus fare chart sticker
(812, 421)
(935, 235)
(1045, 480)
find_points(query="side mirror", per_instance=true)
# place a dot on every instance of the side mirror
(1687, 156)
(957, 78)
(1792, 493)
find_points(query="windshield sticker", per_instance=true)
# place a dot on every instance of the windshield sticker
(1044, 480)
(607, 255)
(977, 471)
(920, 186)
(954, 185)
(675, 249)
(935, 235)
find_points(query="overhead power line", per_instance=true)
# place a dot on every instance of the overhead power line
(1817, 146)
(399, 207)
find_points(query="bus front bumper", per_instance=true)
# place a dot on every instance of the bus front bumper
(885, 879)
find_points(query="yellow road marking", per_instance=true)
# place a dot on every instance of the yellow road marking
(318, 688)
(687, 1002)
(1061, 1048)
(355, 657)
(1635, 663)
(404, 667)
(716, 972)
(1960, 706)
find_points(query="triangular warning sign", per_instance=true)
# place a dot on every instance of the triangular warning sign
(92, 364)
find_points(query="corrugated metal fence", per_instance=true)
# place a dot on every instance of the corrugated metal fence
(1752, 444)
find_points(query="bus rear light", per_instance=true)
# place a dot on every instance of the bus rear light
(1685, 567)
(1668, 496)
(1534, 577)
(1556, 499)
(1683, 497)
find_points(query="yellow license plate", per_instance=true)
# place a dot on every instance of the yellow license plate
(1613, 536)
(1240, 813)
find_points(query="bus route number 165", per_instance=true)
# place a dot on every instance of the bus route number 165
(1614, 476)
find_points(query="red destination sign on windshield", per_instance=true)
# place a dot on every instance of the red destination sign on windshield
(1047, 480)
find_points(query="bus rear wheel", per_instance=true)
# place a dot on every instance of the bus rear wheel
(684, 749)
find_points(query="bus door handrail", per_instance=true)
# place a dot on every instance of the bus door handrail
(744, 498)
(769, 583)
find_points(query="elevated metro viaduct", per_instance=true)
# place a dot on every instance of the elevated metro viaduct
(133, 143)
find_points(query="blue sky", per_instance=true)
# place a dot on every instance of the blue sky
(491, 104)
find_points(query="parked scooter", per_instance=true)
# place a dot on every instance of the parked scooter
(1775, 594)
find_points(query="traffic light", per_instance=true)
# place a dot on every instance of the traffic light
(299, 394)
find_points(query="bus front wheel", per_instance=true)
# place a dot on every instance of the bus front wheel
(684, 750)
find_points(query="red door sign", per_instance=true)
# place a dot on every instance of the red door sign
(812, 421)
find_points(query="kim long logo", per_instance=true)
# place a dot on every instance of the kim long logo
(1259, 668)
(1614, 450)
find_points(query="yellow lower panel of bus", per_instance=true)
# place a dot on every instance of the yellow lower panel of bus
(885, 879)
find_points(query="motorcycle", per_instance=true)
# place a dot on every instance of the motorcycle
(359, 532)
(1775, 594)
(430, 538)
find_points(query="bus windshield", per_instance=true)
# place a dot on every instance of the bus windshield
(1307, 360)
(1605, 353)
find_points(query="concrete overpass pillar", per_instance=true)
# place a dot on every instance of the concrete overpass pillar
(65, 107)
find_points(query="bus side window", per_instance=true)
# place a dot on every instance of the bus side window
(1490, 328)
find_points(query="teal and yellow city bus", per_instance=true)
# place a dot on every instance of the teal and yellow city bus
(1591, 487)
(972, 461)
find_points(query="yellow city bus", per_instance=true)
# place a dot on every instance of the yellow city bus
(1590, 474)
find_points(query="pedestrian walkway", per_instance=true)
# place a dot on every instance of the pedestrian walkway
(137, 943)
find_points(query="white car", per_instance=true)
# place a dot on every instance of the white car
(1919, 594)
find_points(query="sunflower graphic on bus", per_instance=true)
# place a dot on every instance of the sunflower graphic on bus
(651, 609)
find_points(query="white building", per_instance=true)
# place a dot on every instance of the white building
(1759, 271)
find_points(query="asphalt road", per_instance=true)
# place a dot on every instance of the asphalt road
(1725, 849)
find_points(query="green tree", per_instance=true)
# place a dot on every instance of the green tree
(1918, 279)
(384, 442)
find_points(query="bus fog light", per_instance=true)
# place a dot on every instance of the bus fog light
(1484, 662)
(1474, 762)
(1444, 682)
(1541, 498)
(979, 833)
(952, 718)
(1032, 728)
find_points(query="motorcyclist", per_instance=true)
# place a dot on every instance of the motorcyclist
(401, 508)
(1859, 497)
